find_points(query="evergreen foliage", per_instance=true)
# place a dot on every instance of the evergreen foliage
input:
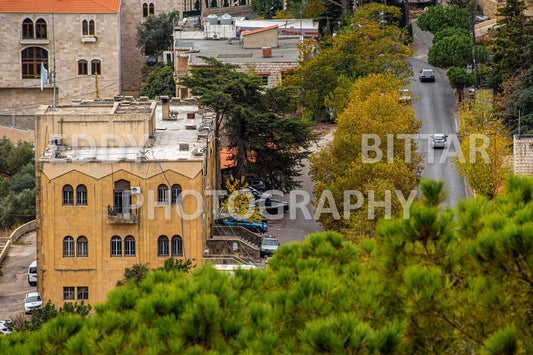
(440, 281)
(459, 79)
(154, 35)
(160, 82)
(437, 18)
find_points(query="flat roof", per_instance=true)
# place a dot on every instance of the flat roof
(230, 51)
(181, 137)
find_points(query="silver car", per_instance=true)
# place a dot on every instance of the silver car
(427, 75)
(439, 140)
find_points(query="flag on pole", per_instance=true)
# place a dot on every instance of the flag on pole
(44, 76)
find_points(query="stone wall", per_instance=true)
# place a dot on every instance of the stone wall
(523, 154)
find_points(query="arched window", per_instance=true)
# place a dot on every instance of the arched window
(82, 246)
(68, 246)
(145, 10)
(91, 28)
(176, 194)
(162, 194)
(96, 67)
(27, 29)
(81, 195)
(116, 246)
(31, 59)
(152, 9)
(68, 195)
(83, 67)
(84, 27)
(176, 246)
(40, 29)
(129, 246)
(162, 246)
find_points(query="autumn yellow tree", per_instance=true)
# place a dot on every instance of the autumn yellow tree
(371, 167)
(363, 47)
(485, 154)
(240, 201)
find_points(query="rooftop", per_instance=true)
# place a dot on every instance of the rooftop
(60, 6)
(230, 51)
(182, 136)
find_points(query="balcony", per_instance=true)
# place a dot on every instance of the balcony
(122, 215)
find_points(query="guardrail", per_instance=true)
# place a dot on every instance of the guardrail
(17, 233)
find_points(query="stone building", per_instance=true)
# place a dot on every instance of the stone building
(119, 183)
(523, 154)
(90, 45)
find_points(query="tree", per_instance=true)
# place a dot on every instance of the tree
(361, 48)
(160, 82)
(512, 38)
(268, 140)
(154, 35)
(240, 202)
(455, 50)
(346, 165)
(484, 148)
(441, 281)
(49, 312)
(459, 79)
(437, 18)
(134, 274)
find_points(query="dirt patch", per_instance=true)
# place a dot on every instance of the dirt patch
(324, 129)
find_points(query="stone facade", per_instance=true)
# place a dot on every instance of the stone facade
(114, 150)
(523, 154)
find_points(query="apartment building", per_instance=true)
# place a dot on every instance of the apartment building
(119, 183)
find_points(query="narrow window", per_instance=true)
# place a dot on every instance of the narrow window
(129, 246)
(82, 67)
(68, 246)
(162, 246)
(96, 67)
(83, 293)
(40, 29)
(145, 10)
(31, 59)
(82, 247)
(68, 195)
(116, 246)
(162, 194)
(84, 27)
(27, 29)
(152, 9)
(176, 246)
(176, 194)
(91, 28)
(68, 293)
(81, 195)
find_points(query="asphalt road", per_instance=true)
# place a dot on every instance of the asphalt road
(14, 284)
(434, 105)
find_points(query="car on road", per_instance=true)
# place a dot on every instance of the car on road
(258, 227)
(5, 327)
(272, 205)
(32, 302)
(427, 75)
(32, 273)
(269, 244)
(257, 183)
(439, 140)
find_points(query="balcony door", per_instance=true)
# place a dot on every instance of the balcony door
(122, 197)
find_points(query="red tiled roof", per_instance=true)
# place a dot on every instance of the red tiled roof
(60, 6)
(252, 31)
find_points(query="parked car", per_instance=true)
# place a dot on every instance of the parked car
(5, 327)
(32, 273)
(427, 75)
(405, 96)
(439, 140)
(32, 302)
(257, 183)
(272, 205)
(258, 227)
(269, 244)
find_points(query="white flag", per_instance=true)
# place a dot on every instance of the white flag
(44, 76)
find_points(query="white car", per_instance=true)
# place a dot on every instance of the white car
(439, 140)
(32, 302)
(4, 327)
